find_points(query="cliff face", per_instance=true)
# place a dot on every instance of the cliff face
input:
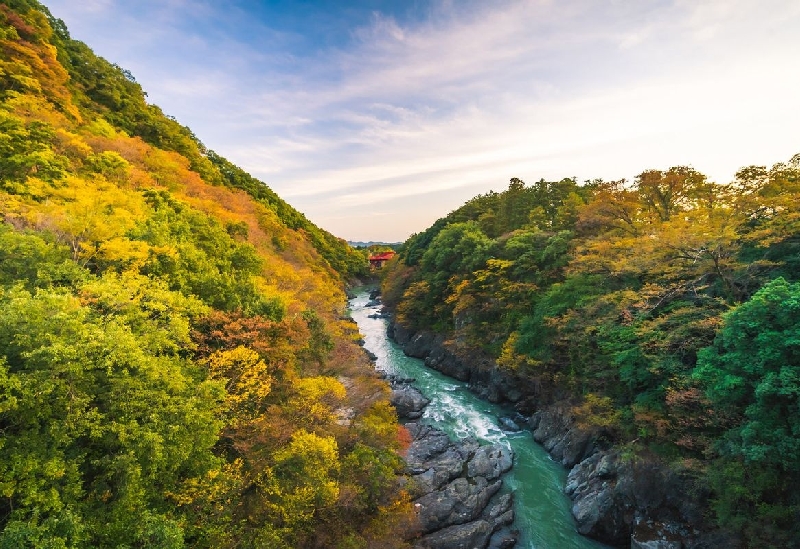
(625, 501)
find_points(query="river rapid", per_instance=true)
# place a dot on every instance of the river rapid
(542, 511)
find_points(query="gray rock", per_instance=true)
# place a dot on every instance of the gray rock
(372, 356)
(461, 501)
(433, 460)
(399, 333)
(504, 538)
(655, 544)
(426, 443)
(534, 420)
(655, 535)
(551, 423)
(505, 519)
(408, 401)
(508, 424)
(490, 461)
(420, 345)
(441, 469)
(602, 506)
(577, 446)
(449, 364)
(467, 447)
(474, 535)
(498, 507)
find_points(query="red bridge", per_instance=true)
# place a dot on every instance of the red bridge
(378, 260)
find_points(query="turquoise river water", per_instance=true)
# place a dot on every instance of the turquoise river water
(542, 510)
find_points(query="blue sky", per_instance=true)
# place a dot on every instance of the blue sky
(377, 117)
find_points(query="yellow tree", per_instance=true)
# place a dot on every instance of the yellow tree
(301, 481)
(87, 215)
(666, 193)
(247, 382)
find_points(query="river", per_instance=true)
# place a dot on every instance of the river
(541, 508)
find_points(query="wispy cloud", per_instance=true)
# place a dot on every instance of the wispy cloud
(401, 112)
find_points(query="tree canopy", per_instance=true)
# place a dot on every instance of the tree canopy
(670, 300)
(173, 361)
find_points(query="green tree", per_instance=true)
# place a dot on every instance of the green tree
(753, 369)
(754, 366)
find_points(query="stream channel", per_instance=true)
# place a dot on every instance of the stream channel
(542, 511)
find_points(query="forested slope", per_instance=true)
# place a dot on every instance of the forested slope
(667, 309)
(174, 367)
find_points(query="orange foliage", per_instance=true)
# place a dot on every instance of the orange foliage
(403, 440)
(31, 63)
(294, 270)
(276, 342)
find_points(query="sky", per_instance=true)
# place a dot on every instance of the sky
(376, 117)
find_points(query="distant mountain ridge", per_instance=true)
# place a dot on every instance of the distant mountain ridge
(359, 244)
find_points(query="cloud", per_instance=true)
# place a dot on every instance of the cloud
(440, 104)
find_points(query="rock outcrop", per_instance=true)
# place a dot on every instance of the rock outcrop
(455, 485)
(408, 401)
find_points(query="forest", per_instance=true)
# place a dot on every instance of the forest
(176, 366)
(666, 310)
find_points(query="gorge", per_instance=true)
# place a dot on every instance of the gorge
(542, 511)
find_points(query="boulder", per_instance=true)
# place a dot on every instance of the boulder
(602, 502)
(504, 538)
(508, 424)
(650, 535)
(498, 508)
(440, 470)
(399, 334)
(473, 535)
(490, 461)
(408, 401)
(420, 345)
(441, 359)
(426, 442)
(454, 485)
(372, 356)
(459, 502)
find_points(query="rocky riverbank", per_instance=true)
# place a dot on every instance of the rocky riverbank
(633, 501)
(455, 485)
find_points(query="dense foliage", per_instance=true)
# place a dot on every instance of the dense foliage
(174, 367)
(666, 307)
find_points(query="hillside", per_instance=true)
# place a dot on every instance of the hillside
(660, 315)
(175, 370)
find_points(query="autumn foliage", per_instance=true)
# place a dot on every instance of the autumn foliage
(663, 307)
(174, 367)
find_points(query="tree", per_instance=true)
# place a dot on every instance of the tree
(754, 366)
(459, 248)
(301, 481)
(665, 193)
(753, 369)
